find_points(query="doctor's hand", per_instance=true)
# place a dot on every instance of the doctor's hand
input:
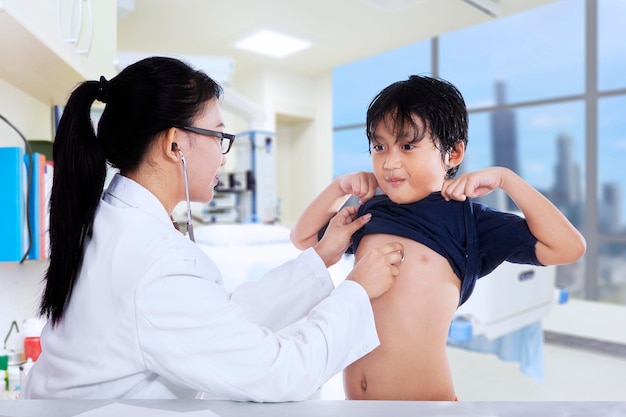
(378, 269)
(338, 234)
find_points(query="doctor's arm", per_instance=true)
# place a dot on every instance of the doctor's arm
(318, 213)
(192, 334)
(297, 286)
(558, 241)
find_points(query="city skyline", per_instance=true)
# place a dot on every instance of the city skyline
(566, 191)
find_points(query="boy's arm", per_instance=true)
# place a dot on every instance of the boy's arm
(558, 241)
(317, 214)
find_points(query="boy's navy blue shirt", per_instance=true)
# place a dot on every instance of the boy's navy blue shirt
(473, 237)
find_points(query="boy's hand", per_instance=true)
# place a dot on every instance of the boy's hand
(363, 185)
(338, 234)
(473, 184)
(378, 269)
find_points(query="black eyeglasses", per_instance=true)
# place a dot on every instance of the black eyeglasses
(226, 139)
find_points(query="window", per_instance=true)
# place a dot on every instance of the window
(611, 159)
(545, 146)
(350, 151)
(356, 84)
(612, 199)
(611, 45)
(538, 53)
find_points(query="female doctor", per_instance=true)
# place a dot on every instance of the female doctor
(137, 310)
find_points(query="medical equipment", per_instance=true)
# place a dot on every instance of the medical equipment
(189, 224)
(249, 179)
(503, 315)
(509, 298)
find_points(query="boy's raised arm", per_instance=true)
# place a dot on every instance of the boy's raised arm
(559, 242)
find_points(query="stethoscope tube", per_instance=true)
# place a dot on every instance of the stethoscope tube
(189, 225)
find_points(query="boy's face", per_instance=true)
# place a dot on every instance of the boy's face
(407, 169)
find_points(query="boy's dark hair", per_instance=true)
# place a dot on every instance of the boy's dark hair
(437, 102)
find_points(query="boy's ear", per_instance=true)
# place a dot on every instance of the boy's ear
(456, 155)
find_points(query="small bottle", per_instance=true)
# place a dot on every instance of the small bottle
(32, 332)
(32, 347)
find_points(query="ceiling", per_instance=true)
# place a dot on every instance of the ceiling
(341, 30)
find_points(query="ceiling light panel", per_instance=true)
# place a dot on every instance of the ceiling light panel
(273, 44)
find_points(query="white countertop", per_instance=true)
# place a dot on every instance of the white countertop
(68, 408)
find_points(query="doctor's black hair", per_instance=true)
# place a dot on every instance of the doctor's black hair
(437, 102)
(145, 99)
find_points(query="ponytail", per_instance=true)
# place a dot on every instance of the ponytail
(79, 174)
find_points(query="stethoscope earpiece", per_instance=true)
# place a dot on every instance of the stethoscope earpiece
(175, 148)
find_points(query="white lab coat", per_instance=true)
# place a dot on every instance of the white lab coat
(149, 318)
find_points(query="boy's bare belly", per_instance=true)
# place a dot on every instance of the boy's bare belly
(412, 320)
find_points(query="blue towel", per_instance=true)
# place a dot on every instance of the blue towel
(524, 345)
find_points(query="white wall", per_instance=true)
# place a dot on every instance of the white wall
(32, 117)
(299, 110)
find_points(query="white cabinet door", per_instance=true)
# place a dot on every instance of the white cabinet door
(36, 54)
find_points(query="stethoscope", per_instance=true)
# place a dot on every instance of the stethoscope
(189, 225)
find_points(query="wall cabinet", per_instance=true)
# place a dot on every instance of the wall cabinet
(35, 52)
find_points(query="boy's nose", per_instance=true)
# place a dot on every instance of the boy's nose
(392, 160)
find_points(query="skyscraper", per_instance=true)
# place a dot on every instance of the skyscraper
(566, 193)
(504, 138)
(610, 221)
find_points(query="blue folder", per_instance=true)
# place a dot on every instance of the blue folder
(12, 210)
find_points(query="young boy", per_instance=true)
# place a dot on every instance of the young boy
(417, 132)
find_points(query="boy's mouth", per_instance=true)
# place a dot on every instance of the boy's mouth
(395, 182)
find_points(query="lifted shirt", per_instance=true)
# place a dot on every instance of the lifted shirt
(473, 237)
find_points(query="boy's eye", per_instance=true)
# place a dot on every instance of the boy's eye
(378, 148)
(407, 146)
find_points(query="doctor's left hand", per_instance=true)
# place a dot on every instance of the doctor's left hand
(338, 235)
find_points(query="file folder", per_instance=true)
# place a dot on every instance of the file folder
(36, 205)
(12, 209)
